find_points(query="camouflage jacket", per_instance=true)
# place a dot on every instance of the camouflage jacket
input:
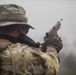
(20, 59)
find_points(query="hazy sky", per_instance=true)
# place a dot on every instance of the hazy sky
(43, 14)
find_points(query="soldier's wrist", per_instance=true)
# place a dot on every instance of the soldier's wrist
(51, 49)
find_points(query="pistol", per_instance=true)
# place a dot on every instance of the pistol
(53, 32)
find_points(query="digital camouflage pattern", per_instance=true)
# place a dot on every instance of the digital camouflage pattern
(20, 59)
(11, 14)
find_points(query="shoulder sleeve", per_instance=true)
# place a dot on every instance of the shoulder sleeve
(52, 60)
(45, 63)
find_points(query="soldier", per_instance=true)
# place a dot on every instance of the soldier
(18, 58)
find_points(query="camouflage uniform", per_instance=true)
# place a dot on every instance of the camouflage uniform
(20, 59)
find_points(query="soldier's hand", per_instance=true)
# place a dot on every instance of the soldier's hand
(55, 42)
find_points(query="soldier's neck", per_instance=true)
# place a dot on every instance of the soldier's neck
(8, 38)
(14, 34)
(4, 40)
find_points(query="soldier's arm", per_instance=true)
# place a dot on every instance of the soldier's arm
(52, 61)
(52, 47)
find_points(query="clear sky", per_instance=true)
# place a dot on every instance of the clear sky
(43, 14)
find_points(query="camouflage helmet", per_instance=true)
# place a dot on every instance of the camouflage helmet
(11, 14)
